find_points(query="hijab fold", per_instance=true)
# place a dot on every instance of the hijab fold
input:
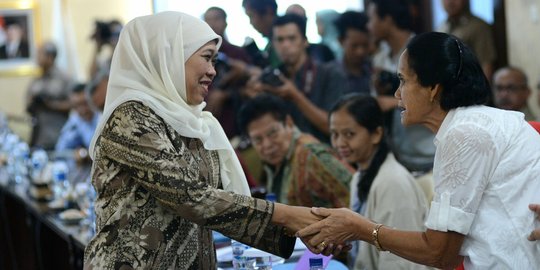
(149, 66)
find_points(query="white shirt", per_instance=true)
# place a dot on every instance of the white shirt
(383, 58)
(486, 172)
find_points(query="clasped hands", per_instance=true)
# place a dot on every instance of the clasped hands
(326, 231)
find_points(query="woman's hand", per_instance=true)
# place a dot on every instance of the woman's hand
(338, 227)
(293, 218)
(535, 234)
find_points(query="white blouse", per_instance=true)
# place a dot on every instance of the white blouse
(486, 172)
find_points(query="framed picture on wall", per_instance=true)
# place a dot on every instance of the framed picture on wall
(18, 36)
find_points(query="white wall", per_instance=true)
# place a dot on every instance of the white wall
(238, 23)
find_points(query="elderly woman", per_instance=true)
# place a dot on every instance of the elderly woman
(165, 173)
(486, 170)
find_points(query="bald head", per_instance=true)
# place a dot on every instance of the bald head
(511, 88)
(217, 19)
(296, 9)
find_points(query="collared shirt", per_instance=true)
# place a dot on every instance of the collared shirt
(323, 86)
(311, 175)
(354, 83)
(77, 132)
(486, 172)
(474, 32)
(53, 86)
(385, 60)
(394, 200)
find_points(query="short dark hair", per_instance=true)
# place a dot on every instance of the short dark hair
(261, 6)
(398, 10)
(50, 49)
(439, 58)
(291, 18)
(351, 20)
(365, 110)
(219, 10)
(259, 106)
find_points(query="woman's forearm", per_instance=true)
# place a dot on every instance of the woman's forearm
(293, 218)
(280, 214)
(339, 226)
(432, 248)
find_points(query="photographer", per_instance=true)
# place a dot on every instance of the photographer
(105, 35)
(309, 89)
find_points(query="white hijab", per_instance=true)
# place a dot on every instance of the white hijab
(148, 66)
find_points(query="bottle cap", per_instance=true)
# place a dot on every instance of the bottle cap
(271, 197)
(315, 262)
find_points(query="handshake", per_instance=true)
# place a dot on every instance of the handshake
(324, 231)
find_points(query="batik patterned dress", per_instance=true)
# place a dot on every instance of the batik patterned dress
(159, 197)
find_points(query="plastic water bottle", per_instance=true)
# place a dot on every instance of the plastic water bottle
(240, 260)
(60, 173)
(4, 129)
(39, 161)
(271, 197)
(21, 155)
(316, 264)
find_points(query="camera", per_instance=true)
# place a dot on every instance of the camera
(102, 32)
(270, 76)
(258, 58)
(107, 31)
(388, 81)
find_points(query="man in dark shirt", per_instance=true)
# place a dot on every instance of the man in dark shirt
(309, 88)
(48, 99)
(16, 46)
(354, 39)
(217, 19)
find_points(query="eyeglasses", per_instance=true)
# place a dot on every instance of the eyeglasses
(271, 134)
(512, 88)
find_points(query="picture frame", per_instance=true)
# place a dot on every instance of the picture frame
(19, 34)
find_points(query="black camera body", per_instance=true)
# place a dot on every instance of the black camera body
(107, 31)
(258, 58)
(389, 82)
(270, 76)
(103, 31)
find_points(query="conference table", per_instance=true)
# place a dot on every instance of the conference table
(33, 234)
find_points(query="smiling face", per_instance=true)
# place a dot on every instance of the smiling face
(200, 72)
(417, 102)
(271, 138)
(353, 142)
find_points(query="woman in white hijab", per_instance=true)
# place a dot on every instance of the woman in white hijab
(164, 170)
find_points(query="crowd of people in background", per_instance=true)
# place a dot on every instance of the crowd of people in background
(316, 124)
